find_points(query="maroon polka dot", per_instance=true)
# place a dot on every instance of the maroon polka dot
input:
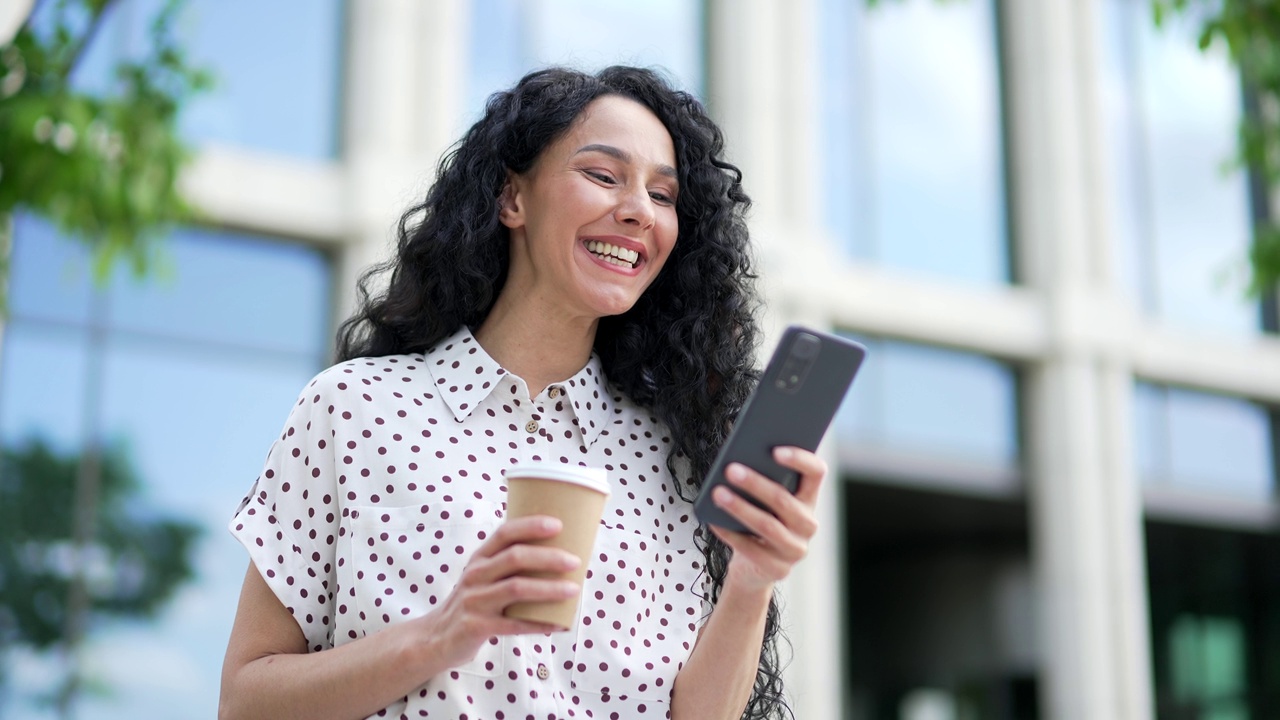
(441, 496)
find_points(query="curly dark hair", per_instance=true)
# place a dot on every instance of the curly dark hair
(685, 350)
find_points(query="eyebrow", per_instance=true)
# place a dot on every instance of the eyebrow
(624, 156)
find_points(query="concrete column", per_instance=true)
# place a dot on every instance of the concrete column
(744, 93)
(763, 75)
(1127, 583)
(1069, 541)
(1086, 518)
(404, 79)
(812, 599)
(762, 89)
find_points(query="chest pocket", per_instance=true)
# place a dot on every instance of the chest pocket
(639, 617)
(407, 560)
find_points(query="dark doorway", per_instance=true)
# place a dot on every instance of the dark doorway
(1215, 622)
(941, 610)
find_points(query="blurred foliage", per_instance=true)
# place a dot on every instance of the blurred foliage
(132, 567)
(103, 166)
(1250, 30)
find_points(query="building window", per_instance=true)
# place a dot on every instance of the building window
(277, 69)
(190, 375)
(1180, 222)
(509, 38)
(940, 601)
(1204, 443)
(912, 124)
(932, 411)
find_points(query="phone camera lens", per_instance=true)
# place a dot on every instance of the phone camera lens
(806, 346)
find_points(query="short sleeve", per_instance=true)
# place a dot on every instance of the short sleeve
(289, 520)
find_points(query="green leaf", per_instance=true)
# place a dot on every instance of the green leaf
(1264, 256)
(103, 167)
(1206, 39)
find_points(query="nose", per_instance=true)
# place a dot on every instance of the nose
(635, 207)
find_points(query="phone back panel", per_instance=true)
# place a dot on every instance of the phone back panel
(782, 411)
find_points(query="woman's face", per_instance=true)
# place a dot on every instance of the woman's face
(593, 221)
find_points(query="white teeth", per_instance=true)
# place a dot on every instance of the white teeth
(612, 253)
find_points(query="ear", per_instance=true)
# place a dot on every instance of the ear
(510, 205)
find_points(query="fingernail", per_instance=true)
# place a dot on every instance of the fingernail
(570, 562)
(735, 472)
(568, 589)
(551, 524)
(724, 496)
(783, 453)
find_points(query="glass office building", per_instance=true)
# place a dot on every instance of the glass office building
(1053, 486)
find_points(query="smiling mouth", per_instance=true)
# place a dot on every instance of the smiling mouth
(620, 256)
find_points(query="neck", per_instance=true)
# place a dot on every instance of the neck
(534, 344)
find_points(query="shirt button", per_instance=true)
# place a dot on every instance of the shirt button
(543, 672)
(531, 426)
(554, 392)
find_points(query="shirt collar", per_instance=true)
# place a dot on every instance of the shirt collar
(463, 372)
(464, 375)
(592, 403)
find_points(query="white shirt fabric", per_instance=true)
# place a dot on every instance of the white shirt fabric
(389, 474)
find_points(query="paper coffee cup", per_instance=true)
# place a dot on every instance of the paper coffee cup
(575, 495)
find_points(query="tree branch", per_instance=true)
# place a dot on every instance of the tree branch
(96, 20)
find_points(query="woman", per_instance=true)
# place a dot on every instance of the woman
(575, 288)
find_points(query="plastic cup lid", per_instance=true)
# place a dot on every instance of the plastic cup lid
(591, 477)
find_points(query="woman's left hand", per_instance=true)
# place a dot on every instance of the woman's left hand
(781, 539)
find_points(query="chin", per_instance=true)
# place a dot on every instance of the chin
(614, 307)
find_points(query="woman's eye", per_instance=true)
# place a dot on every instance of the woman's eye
(602, 177)
(662, 198)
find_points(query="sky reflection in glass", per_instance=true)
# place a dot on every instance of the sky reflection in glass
(1180, 218)
(1203, 442)
(201, 293)
(199, 369)
(510, 38)
(913, 170)
(276, 67)
(54, 282)
(918, 399)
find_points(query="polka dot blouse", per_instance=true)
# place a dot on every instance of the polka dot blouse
(389, 474)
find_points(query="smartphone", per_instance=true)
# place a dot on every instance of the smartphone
(798, 395)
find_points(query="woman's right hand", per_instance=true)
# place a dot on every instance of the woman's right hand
(492, 580)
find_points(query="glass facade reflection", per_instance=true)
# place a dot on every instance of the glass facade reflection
(914, 175)
(1203, 442)
(1181, 220)
(190, 373)
(277, 91)
(53, 285)
(511, 37)
(912, 399)
(280, 89)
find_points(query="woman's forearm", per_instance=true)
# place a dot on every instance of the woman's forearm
(353, 681)
(268, 672)
(716, 682)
